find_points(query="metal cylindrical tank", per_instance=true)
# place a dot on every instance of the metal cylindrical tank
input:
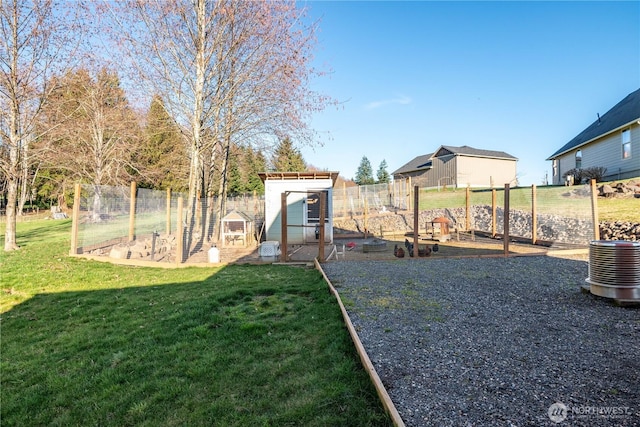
(614, 269)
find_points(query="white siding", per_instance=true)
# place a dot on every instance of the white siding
(296, 208)
(484, 172)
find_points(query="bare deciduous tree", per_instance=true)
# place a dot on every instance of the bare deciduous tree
(38, 38)
(230, 73)
(99, 133)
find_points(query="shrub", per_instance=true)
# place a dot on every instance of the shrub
(577, 175)
(596, 172)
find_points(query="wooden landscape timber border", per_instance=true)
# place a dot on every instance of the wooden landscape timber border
(387, 403)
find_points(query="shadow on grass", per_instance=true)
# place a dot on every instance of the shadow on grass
(250, 345)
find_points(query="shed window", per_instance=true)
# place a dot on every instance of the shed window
(554, 163)
(579, 159)
(626, 144)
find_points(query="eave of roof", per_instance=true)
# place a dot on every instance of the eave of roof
(281, 176)
(623, 114)
(465, 150)
(416, 164)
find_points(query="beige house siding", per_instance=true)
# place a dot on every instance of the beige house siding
(485, 172)
(605, 152)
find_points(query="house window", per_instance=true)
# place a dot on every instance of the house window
(579, 159)
(554, 164)
(626, 144)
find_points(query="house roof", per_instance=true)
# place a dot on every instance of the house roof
(465, 150)
(425, 162)
(623, 113)
(419, 163)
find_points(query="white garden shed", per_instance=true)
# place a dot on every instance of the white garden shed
(302, 191)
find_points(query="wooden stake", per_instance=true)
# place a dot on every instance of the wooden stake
(506, 220)
(534, 216)
(494, 211)
(76, 220)
(180, 233)
(416, 205)
(283, 227)
(323, 207)
(132, 212)
(168, 226)
(467, 221)
(594, 210)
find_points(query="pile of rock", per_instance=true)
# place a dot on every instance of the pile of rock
(143, 248)
(620, 230)
(630, 188)
(554, 228)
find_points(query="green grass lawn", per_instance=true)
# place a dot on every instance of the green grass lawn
(88, 343)
(550, 200)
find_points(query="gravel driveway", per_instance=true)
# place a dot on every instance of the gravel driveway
(494, 341)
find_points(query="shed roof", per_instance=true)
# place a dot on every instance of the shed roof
(622, 114)
(312, 175)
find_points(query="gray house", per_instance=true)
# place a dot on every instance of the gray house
(460, 167)
(612, 142)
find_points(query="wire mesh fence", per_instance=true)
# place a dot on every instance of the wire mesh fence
(150, 222)
(560, 215)
(130, 222)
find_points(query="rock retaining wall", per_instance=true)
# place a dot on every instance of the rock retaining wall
(550, 227)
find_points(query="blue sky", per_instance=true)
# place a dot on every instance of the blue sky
(519, 77)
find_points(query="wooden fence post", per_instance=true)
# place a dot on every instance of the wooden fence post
(506, 220)
(76, 220)
(534, 216)
(132, 212)
(416, 211)
(179, 233)
(344, 199)
(168, 226)
(323, 207)
(494, 212)
(594, 210)
(467, 221)
(283, 227)
(365, 219)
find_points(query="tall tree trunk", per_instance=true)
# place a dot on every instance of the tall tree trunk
(221, 207)
(24, 179)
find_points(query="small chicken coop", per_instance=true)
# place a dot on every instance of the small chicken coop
(237, 229)
(440, 229)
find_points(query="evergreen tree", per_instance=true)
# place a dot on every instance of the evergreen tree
(383, 175)
(256, 163)
(164, 155)
(244, 165)
(364, 174)
(287, 158)
(235, 181)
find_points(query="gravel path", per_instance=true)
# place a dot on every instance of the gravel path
(494, 342)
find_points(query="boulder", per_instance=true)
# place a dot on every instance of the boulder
(120, 252)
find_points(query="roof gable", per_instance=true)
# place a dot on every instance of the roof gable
(465, 150)
(623, 113)
(418, 163)
(424, 162)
